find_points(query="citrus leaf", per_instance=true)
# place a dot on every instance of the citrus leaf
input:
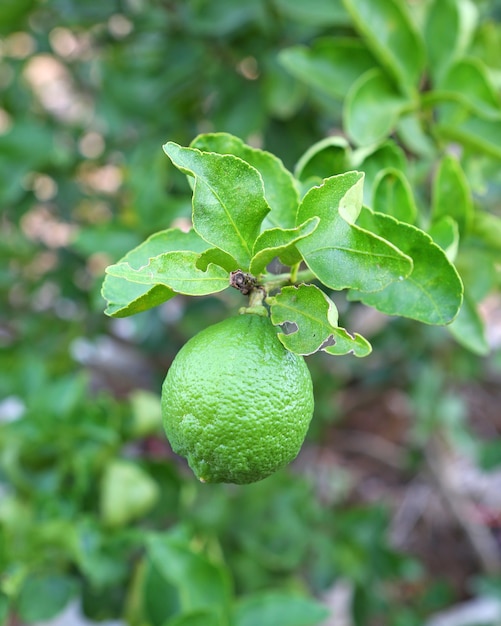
(451, 194)
(42, 597)
(433, 292)
(468, 328)
(283, 94)
(346, 343)
(448, 31)
(272, 608)
(392, 194)
(372, 108)
(218, 257)
(279, 242)
(470, 257)
(330, 64)
(228, 199)
(202, 585)
(315, 318)
(127, 492)
(340, 253)
(177, 271)
(445, 233)
(125, 298)
(414, 136)
(315, 13)
(454, 122)
(392, 37)
(487, 227)
(202, 617)
(372, 159)
(469, 81)
(327, 157)
(279, 185)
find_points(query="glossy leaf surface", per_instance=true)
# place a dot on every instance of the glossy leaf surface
(127, 298)
(228, 199)
(392, 37)
(432, 293)
(315, 320)
(341, 253)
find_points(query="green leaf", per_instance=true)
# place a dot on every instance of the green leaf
(456, 123)
(372, 108)
(327, 157)
(176, 270)
(279, 185)
(228, 199)
(433, 292)
(316, 12)
(472, 255)
(127, 492)
(451, 194)
(125, 298)
(487, 228)
(392, 194)
(202, 585)
(283, 94)
(315, 318)
(470, 83)
(340, 253)
(195, 618)
(448, 32)
(278, 242)
(389, 32)
(4, 609)
(43, 596)
(216, 256)
(371, 160)
(414, 135)
(153, 599)
(273, 608)
(330, 64)
(445, 233)
(468, 328)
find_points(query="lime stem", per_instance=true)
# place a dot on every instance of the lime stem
(275, 281)
(294, 272)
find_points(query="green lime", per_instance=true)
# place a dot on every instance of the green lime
(235, 402)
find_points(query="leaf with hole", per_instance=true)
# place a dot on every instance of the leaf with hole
(314, 319)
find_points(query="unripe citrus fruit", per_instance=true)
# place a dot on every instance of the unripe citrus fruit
(235, 402)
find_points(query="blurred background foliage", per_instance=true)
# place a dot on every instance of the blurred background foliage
(392, 511)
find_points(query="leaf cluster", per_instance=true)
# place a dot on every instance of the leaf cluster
(419, 91)
(248, 210)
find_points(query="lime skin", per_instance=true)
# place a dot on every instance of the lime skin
(235, 403)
